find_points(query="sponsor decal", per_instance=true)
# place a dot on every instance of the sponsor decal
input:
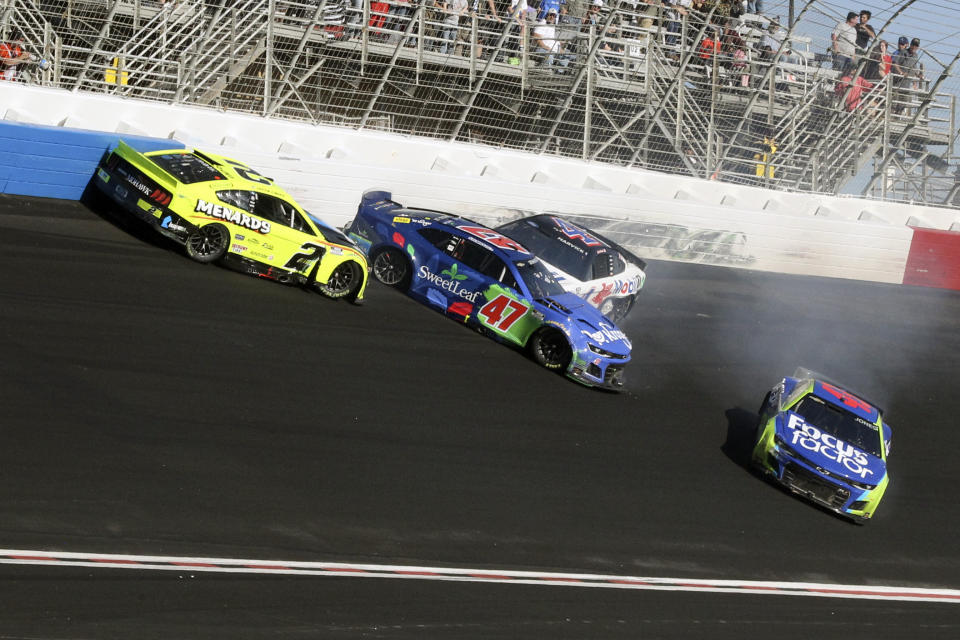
(120, 191)
(602, 294)
(103, 175)
(149, 208)
(167, 223)
(812, 439)
(452, 284)
(239, 248)
(401, 219)
(579, 250)
(576, 233)
(398, 238)
(236, 217)
(494, 238)
(237, 236)
(606, 333)
(266, 246)
(848, 399)
(134, 182)
(337, 251)
(452, 272)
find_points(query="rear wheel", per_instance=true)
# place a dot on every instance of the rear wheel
(344, 282)
(208, 243)
(551, 349)
(392, 268)
(616, 309)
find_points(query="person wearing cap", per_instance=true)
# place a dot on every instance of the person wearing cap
(906, 69)
(545, 40)
(546, 5)
(12, 54)
(844, 43)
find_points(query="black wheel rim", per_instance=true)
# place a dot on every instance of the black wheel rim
(342, 279)
(207, 241)
(552, 349)
(389, 268)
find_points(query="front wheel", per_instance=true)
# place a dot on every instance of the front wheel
(208, 243)
(345, 281)
(616, 309)
(551, 349)
(392, 269)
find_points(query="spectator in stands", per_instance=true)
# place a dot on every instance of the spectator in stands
(764, 158)
(452, 12)
(12, 54)
(865, 33)
(734, 50)
(844, 39)
(772, 37)
(674, 11)
(755, 6)
(400, 13)
(907, 71)
(879, 62)
(545, 40)
(546, 5)
(593, 12)
(852, 91)
(708, 48)
(489, 23)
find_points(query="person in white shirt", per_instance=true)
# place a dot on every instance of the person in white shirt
(844, 39)
(545, 40)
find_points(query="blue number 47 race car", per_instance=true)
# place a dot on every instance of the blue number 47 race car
(490, 282)
(822, 442)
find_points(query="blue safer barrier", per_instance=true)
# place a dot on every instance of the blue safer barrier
(54, 162)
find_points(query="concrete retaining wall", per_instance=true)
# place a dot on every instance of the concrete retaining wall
(661, 216)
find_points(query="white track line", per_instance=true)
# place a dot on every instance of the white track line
(282, 567)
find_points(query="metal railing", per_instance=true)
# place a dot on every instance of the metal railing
(631, 85)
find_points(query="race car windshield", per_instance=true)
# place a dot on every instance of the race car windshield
(538, 279)
(562, 254)
(839, 423)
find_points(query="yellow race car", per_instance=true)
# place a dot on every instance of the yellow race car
(221, 210)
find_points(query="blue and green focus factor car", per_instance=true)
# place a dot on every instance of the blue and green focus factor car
(824, 443)
(221, 210)
(492, 283)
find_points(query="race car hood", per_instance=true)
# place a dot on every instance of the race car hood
(828, 452)
(593, 325)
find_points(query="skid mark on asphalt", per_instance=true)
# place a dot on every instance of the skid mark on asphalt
(280, 567)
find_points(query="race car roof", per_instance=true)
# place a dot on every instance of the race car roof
(586, 239)
(843, 398)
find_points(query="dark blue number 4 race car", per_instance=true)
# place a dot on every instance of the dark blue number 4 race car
(491, 282)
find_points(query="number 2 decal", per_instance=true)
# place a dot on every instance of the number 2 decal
(501, 312)
(308, 251)
(250, 174)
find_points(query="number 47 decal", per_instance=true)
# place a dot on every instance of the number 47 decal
(501, 312)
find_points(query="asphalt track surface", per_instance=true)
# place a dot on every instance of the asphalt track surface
(151, 405)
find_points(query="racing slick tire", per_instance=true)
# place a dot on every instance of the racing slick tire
(208, 243)
(344, 282)
(392, 268)
(551, 349)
